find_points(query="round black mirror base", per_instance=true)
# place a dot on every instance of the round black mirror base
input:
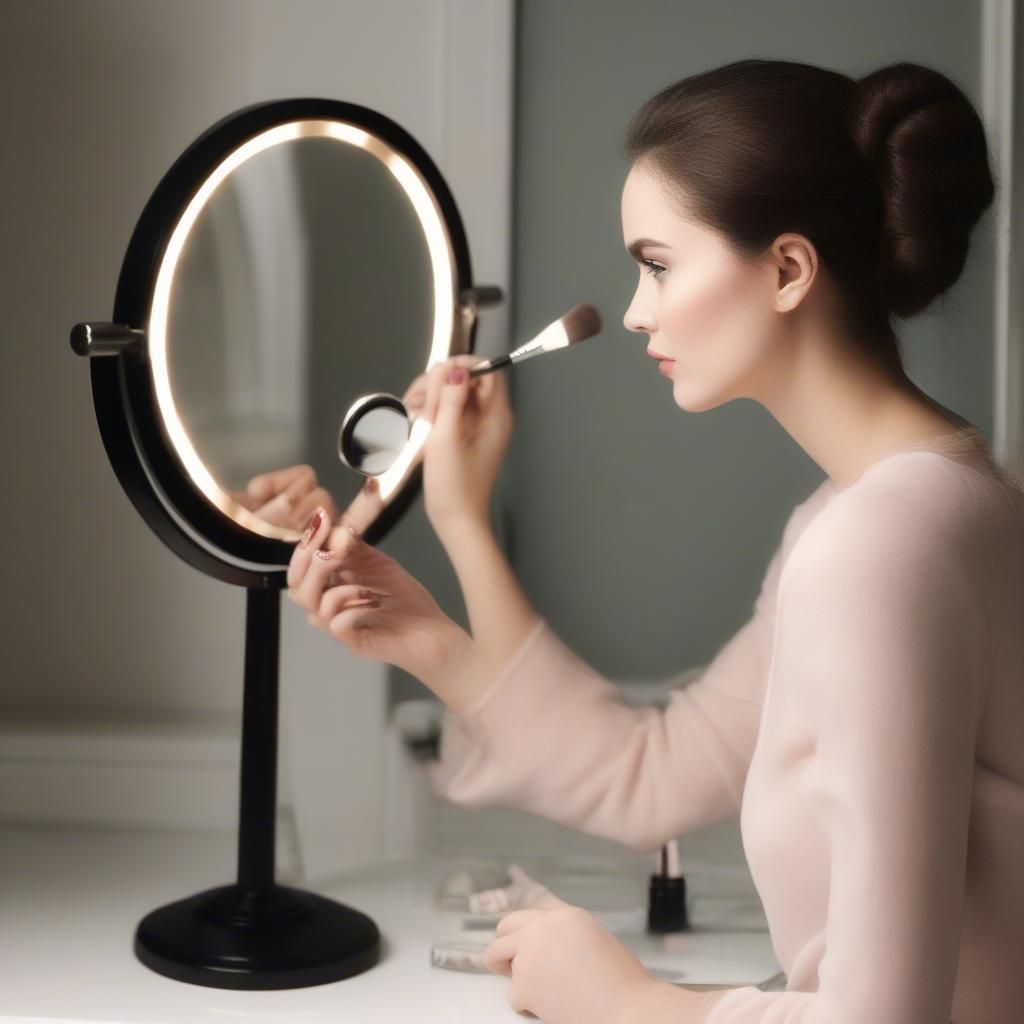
(274, 938)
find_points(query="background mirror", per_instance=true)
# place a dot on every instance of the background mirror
(305, 282)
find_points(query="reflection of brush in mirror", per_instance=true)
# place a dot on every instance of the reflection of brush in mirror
(581, 322)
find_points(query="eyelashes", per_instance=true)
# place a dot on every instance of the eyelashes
(654, 269)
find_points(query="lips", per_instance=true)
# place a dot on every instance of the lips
(658, 355)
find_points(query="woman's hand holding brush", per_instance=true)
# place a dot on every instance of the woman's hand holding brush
(472, 422)
(471, 426)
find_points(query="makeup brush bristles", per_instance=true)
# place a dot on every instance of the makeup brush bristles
(581, 322)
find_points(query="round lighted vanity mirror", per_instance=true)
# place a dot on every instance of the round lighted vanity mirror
(312, 268)
(299, 260)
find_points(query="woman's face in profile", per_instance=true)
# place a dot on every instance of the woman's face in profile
(700, 305)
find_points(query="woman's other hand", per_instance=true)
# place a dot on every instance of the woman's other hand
(368, 602)
(566, 967)
(472, 423)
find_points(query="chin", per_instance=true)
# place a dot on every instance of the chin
(692, 399)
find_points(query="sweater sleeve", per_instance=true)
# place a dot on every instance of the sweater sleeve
(881, 650)
(551, 736)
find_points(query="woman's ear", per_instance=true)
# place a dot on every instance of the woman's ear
(796, 265)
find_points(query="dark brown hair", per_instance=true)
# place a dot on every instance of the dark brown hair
(886, 176)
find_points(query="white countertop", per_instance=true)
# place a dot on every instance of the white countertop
(70, 901)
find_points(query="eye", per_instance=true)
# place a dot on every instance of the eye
(653, 268)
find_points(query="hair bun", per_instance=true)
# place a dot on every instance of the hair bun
(925, 144)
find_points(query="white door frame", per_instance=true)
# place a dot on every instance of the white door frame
(1002, 70)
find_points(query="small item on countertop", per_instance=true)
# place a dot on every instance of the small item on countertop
(666, 909)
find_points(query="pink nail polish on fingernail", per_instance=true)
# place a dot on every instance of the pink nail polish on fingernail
(325, 555)
(314, 525)
(456, 375)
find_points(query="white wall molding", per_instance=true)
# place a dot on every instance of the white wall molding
(1002, 80)
(126, 775)
(178, 776)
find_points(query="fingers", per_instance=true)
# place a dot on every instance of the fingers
(281, 510)
(300, 484)
(489, 901)
(467, 359)
(309, 590)
(263, 487)
(361, 512)
(517, 874)
(518, 919)
(436, 377)
(415, 395)
(492, 393)
(522, 892)
(303, 552)
(349, 625)
(498, 955)
(307, 505)
(434, 382)
(288, 496)
(450, 406)
(348, 595)
(531, 893)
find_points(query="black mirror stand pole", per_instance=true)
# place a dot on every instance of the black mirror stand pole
(256, 934)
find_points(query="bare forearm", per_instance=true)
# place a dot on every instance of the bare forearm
(461, 671)
(500, 614)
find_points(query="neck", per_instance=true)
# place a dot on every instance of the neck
(847, 411)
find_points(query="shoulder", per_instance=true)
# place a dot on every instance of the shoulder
(803, 513)
(913, 516)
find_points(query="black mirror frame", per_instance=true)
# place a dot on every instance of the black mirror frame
(126, 408)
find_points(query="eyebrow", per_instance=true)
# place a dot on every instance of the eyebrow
(634, 247)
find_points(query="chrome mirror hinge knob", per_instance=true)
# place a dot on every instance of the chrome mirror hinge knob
(480, 296)
(99, 339)
(470, 300)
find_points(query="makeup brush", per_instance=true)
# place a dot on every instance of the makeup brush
(581, 322)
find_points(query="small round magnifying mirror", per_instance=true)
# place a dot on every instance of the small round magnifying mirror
(374, 433)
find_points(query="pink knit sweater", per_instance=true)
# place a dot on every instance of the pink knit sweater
(867, 725)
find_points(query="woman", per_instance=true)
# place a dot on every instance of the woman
(866, 722)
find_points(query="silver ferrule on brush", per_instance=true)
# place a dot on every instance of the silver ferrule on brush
(553, 336)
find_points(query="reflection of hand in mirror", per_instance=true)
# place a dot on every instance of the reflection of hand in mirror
(286, 497)
(472, 424)
(368, 602)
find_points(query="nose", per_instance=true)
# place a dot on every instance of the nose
(638, 316)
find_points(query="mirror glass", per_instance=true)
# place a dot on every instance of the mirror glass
(305, 281)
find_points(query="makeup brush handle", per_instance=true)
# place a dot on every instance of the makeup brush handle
(497, 363)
